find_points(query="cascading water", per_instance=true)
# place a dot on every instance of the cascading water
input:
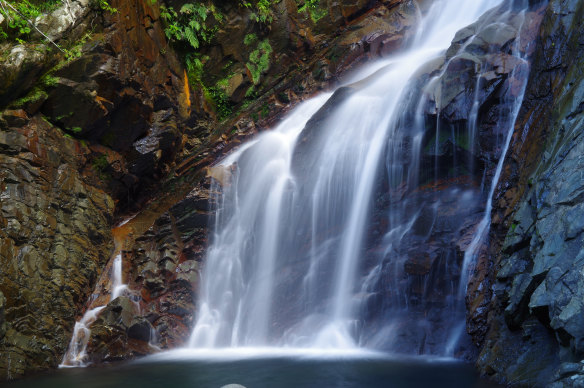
(300, 256)
(76, 354)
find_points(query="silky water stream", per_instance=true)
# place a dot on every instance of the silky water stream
(328, 264)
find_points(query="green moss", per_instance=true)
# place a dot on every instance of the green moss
(251, 92)
(100, 165)
(48, 80)
(265, 111)
(223, 83)
(36, 94)
(313, 8)
(76, 49)
(250, 39)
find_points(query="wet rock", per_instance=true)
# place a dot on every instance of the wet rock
(538, 269)
(120, 332)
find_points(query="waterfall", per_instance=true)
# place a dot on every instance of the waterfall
(299, 256)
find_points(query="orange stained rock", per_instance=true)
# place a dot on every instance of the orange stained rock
(185, 98)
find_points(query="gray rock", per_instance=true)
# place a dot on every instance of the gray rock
(2, 315)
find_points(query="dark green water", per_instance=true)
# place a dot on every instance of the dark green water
(266, 372)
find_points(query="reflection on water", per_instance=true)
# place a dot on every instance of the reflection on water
(274, 372)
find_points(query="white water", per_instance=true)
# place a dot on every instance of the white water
(76, 355)
(77, 350)
(286, 265)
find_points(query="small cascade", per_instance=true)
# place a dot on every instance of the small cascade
(118, 286)
(327, 229)
(76, 354)
(473, 250)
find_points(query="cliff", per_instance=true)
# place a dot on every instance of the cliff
(529, 325)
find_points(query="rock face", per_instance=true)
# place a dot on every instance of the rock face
(532, 334)
(125, 96)
(88, 132)
(54, 240)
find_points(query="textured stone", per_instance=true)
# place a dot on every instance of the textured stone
(539, 269)
(53, 242)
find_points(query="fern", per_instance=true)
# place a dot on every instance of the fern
(189, 23)
(191, 37)
(259, 60)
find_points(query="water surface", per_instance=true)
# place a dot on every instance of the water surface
(274, 372)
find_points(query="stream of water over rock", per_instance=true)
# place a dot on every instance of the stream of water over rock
(316, 217)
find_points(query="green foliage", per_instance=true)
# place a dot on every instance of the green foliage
(259, 60)
(313, 8)
(189, 24)
(36, 94)
(223, 106)
(216, 94)
(250, 39)
(100, 165)
(49, 80)
(105, 6)
(76, 49)
(265, 111)
(20, 15)
(251, 92)
(261, 10)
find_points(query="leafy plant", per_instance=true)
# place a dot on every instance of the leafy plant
(261, 10)
(250, 39)
(75, 51)
(189, 24)
(105, 6)
(19, 16)
(314, 10)
(259, 60)
(222, 105)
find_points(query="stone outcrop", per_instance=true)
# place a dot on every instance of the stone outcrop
(54, 240)
(530, 332)
(90, 133)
